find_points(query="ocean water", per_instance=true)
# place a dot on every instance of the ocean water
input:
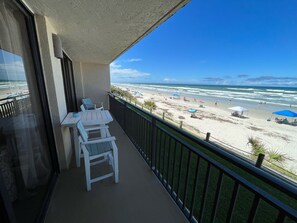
(12, 88)
(251, 96)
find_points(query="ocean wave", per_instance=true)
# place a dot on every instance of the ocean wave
(4, 87)
(241, 89)
(255, 95)
(249, 99)
(284, 91)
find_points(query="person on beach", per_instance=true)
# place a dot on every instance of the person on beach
(216, 103)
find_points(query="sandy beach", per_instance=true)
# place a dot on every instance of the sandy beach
(229, 130)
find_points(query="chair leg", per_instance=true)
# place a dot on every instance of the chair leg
(110, 160)
(88, 172)
(115, 166)
(79, 155)
(103, 132)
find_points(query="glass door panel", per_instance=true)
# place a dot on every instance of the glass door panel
(25, 161)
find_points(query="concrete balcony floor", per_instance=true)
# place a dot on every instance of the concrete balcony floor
(138, 197)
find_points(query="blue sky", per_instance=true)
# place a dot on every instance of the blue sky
(245, 42)
(11, 67)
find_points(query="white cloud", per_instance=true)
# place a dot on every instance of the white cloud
(117, 71)
(15, 71)
(134, 60)
(169, 80)
(114, 65)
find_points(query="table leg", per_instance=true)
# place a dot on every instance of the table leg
(76, 146)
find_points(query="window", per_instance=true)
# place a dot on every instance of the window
(69, 86)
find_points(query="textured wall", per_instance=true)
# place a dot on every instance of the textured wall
(55, 90)
(92, 80)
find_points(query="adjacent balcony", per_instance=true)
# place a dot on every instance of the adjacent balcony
(168, 175)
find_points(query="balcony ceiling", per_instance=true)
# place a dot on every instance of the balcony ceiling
(100, 30)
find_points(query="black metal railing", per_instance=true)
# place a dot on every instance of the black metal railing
(207, 183)
(12, 106)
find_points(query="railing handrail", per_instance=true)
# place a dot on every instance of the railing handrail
(12, 97)
(268, 178)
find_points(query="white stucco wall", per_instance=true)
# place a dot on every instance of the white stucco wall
(92, 80)
(55, 90)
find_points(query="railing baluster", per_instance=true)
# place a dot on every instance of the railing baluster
(160, 146)
(281, 217)
(125, 116)
(140, 138)
(168, 162)
(194, 188)
(138, 132)
(217, 195)
(149, 141)
(254, 208)
(232, 202)
(173, 167)
(205, 190)
(145, 136)
(179, 172)
(164, 152)
(146, 141)
(153, 142)
(187, 179)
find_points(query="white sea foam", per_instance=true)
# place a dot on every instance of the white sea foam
(284, 91)
(241, 89)
(255, 95)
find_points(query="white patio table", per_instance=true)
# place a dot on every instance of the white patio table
(88, 118)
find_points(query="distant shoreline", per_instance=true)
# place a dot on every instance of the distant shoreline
(276, 98)
(210, 85)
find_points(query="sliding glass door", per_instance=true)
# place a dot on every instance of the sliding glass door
(27, 161)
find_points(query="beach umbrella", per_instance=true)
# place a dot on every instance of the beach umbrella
(192, 110)
(238, 109)
(287, 113)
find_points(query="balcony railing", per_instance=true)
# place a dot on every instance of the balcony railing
(207, 183)
(12, 106)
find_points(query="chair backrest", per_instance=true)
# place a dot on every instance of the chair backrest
(87, 102)
(82, 108)
(82, 131)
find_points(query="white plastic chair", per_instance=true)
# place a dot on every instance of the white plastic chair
(89, 105)
(96, 151)
(82, 108)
